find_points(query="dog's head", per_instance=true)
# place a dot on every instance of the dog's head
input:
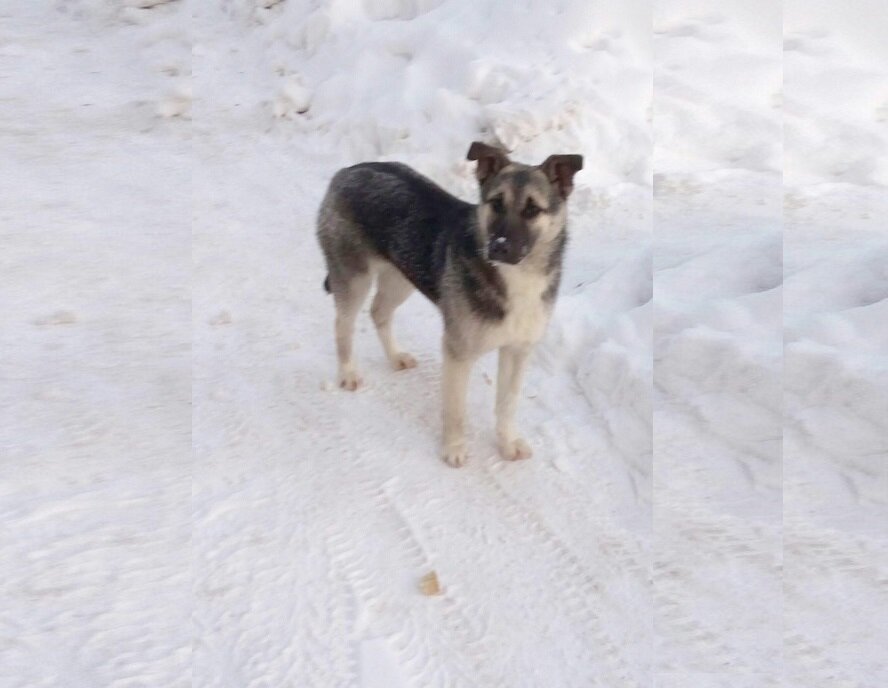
(522, 206)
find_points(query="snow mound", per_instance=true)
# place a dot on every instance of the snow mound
(419, 80)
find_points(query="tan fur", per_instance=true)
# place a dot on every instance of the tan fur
(515, 337)
(392, 289)
(455, 379)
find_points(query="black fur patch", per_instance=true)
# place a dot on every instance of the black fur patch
(407, 218)
(391, 211)
(483, 287)
(520, 178)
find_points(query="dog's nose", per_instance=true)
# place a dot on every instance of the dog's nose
(498, 249)
(506, 250)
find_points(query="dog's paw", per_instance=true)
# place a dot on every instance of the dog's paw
(515, 450)
(455, 455)
(403, 361)
(350, 380)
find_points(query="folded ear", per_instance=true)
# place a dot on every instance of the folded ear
(490, 160)
(560, 169)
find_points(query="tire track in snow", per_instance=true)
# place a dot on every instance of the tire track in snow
(333, 661)
(814, 559)
(315, 612)
(350, 566)
(701, 536)
(464, 634)
(416, 653)
(417, 650)
(571, 574)
(414, 656)
(415, 645)
(575, 588)
(621, 558)
(455, 619)
(578, 585)
(324, 619)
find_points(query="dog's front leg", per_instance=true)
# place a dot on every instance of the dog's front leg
(455, 380)
(512, 362)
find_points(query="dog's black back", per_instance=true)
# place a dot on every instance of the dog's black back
(407, 219)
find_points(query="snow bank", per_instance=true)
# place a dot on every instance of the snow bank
(835, 250)
(718, 78)
(835, 111)
(770, 335)
(418, 80)
(717, 340)
(835, 437)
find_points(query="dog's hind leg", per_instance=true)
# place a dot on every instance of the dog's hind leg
(349, 295)
(392, 289)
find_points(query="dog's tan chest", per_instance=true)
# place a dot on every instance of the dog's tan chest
(527, 313)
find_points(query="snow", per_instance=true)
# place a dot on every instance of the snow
(188, 498)
(835, 440)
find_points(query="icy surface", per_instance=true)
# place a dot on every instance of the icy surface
(187, 498)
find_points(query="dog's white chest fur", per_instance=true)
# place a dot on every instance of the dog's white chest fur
(527, 314)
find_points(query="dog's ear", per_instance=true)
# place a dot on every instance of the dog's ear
(490, 160)
(560, 169)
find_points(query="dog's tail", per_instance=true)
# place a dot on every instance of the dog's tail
(327, 284)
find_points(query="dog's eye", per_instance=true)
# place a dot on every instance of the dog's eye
(496, 204)
(530, 210)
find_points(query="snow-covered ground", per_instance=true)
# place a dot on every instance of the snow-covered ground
(835, 309)
(717, 343)
(95, 369)
(707, 501)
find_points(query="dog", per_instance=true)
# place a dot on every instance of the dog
(493, 269)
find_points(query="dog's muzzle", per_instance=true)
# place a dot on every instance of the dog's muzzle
(504, 250)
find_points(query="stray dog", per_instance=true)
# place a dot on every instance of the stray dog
(492, 269)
